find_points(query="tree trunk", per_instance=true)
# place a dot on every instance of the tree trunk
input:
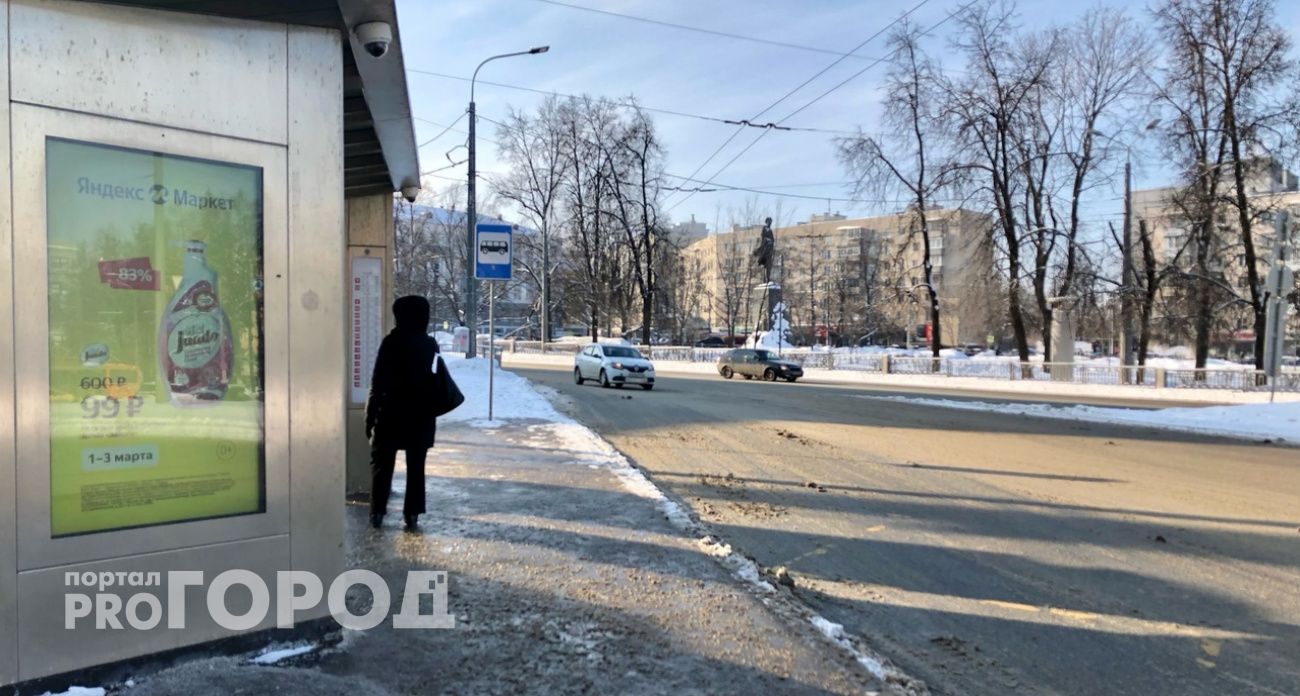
(1017, 320)
(1203, 310)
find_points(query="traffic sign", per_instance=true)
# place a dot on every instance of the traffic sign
(493, 251)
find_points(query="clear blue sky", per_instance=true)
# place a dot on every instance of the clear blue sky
(679, 70)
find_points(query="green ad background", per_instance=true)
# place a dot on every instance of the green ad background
(219, 446)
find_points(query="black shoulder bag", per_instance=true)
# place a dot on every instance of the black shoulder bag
(447, 397)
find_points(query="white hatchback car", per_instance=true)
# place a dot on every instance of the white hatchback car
(613, 365)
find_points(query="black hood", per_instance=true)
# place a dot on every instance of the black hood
(412, 314)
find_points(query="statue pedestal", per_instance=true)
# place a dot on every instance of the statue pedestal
(770, 317)
(770, 294)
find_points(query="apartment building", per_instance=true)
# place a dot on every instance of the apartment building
(1271, 187)
(855, 277)
(688, 232)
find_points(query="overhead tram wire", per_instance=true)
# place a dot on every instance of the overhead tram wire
(440, 125)
(855, 75)
(787, 95)
(764, 190)
(652, 109)
(701, 30)
(720, 187)
(823, 95)
(444, 130)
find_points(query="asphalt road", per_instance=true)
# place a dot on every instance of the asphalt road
(989, 554)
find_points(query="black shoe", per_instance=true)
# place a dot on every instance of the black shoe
(412, 523)
(376, 520)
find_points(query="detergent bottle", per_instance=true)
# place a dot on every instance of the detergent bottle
(195, 353)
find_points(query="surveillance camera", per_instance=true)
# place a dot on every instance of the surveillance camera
(409, 192)
(374, 37)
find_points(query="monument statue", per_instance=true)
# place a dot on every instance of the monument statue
(765, 251)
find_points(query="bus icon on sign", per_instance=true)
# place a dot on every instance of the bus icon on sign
(494, 253)
(493, 246)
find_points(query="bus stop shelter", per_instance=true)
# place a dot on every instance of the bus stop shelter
(194, 235)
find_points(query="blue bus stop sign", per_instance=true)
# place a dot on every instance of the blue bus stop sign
(493, 251)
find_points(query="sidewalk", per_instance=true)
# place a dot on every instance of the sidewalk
(567, 576)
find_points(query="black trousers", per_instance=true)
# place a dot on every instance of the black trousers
(382, 463)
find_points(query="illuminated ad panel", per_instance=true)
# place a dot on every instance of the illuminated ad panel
(156, 343)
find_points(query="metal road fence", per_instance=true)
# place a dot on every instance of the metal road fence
(1288, 380)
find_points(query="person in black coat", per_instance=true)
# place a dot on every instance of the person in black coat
(399, 412)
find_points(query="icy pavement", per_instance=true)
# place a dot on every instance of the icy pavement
(570, 572)
(1278, 422)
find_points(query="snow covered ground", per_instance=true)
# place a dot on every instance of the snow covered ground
(1279, 421)
(514, 397)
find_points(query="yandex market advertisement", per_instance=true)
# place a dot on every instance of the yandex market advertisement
(155, 330)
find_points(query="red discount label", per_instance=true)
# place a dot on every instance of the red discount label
(129, 274)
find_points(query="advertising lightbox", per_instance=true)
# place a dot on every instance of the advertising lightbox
(155, 338)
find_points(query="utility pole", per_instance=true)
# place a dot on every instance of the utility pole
(471, 289)
(471, 302)
(1126, 284)
(812, 287)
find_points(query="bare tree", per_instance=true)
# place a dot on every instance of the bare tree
(1096, 73)
(1230, 84)
(915, 154)
(990, 104)
(736, 276)
(533, 147)
(634, 157)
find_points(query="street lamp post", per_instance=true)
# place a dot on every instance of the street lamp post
(471, 290)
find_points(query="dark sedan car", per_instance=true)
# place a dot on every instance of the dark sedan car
(759, 363)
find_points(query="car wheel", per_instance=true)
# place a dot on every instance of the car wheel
(647, 387)
(769, 375)
(604, 379)
(726, 372)
(577, 376)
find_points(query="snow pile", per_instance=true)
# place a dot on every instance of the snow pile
(79, 691)
(776, 338)
(606, 340)
(770, 340)
(513, 397)
(272, 655)
(1280, 421)
(835, 632)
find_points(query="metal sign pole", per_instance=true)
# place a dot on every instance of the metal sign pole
(495, 262)
(492, 340)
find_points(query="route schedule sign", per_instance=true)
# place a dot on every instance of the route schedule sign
(493, 251)
(155, 299)
(367, 322)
